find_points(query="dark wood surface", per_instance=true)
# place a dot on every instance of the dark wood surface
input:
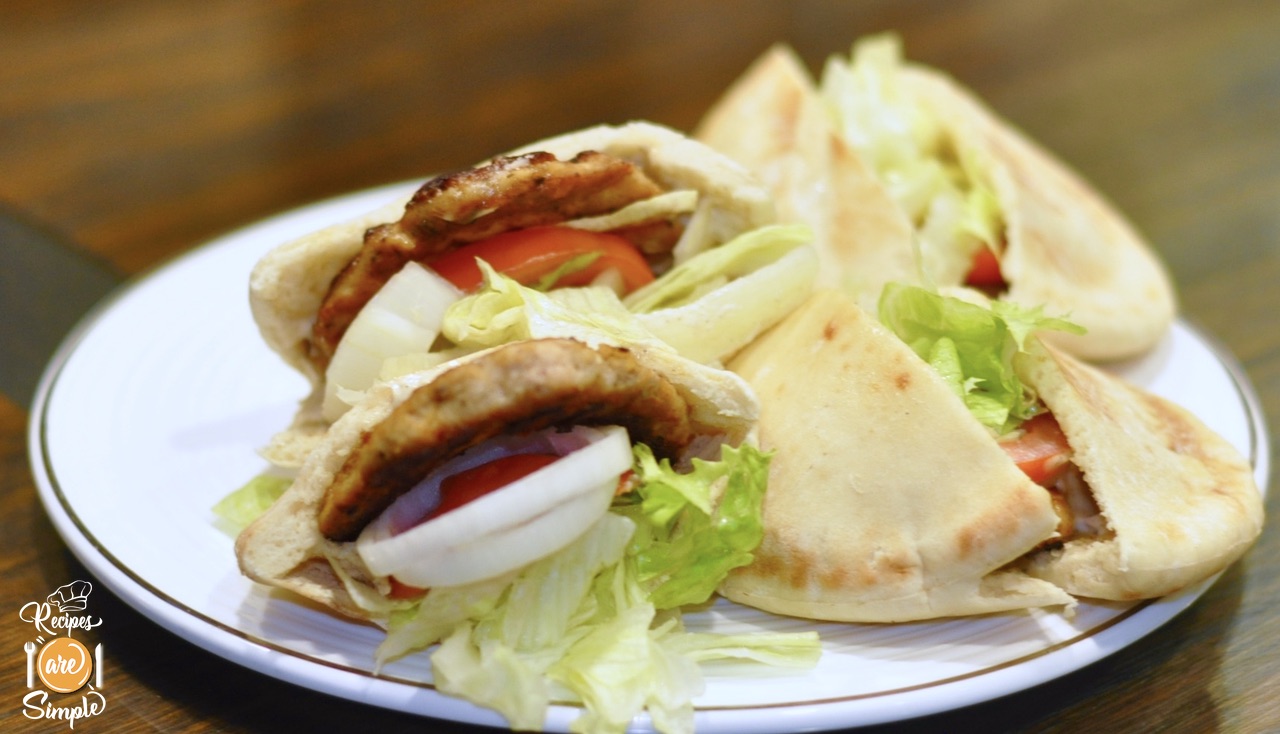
(138, 129)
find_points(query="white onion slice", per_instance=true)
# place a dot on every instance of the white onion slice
(403, 317)
(410, 508)
(508, 528)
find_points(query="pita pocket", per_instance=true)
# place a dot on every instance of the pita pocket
(905, 176)
(887, 501)
(291, 548)
(887, 463)
(691, 216)
(1179, 502)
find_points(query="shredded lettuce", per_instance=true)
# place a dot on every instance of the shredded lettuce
(503, 311)
(663, 207)
(499, 658)
(741, 310)
(743, 287)
(240, 508)
(712, 268)
(587, 624)
(971, 347)
(684, 546)
(575, 264)
(438, 615)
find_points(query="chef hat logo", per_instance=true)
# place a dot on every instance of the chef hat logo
(73, 597)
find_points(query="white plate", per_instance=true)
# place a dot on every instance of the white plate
(153, 409)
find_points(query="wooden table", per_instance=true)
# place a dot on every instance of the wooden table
(138, 129)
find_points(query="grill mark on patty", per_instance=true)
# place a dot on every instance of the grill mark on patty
(521, 387)
(511, 192)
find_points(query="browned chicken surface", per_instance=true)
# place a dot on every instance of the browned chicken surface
(521, 387)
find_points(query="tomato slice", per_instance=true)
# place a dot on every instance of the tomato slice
(529, 255)
(401, 590)
(985, 271)
(1040, 450)
(474, 483)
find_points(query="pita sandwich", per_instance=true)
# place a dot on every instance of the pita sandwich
(887, 502)
(289, 548)
(890, 499)
(906, 176)
(1179, 502)
(692, 214)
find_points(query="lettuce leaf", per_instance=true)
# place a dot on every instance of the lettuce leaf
(499, 658)
(612, 669)
(237, 510)
(741, 309)
(684, 546)
(780, 649)
(712, 268)
(503, 311)
(663, 207)
(971, 347)
(586, 624)
(743, 287)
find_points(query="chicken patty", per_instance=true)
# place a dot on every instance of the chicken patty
(521, 387)
(512, 192)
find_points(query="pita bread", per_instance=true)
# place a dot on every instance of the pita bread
(285, 549)
(887, 501)
(1181, 502)
(1066, 248)
(773, 122)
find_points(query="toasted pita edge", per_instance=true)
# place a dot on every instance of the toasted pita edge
(287, 285)
(754, 120)
(1001, 591)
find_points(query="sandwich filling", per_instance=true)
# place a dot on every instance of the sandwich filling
(1042, 452)
(928, 173)
(512, 193)
(519, 388)
(973, 349)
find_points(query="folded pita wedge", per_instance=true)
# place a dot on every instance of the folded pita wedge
(887, 501)
(773, 121)
(694, 215)
(1179, 502)
(906, 176)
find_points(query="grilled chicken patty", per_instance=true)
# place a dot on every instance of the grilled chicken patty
(513, 192)
(521, 387)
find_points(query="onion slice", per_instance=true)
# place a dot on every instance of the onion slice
(508, 528)
(404, 317)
